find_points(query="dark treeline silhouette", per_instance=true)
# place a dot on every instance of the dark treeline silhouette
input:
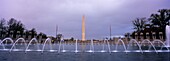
(16, 29)
(153, 26)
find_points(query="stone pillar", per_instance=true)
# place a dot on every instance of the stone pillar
(161, 35)
(126, 38)
(18, 34)
(147, 35)
(136, 36)
(153, 35)
(11, 34)
(24, 35)
(141, 36)
(5, 34)
(35, 35)
(40, 38)
(29, 36)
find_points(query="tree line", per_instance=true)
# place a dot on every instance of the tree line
(14, 29)
(155, 23)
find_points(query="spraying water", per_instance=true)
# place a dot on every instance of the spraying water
(149, 43)
(161, 43)
(76, 47)
(91, 47)
(105, 43)
(167, 36)
(122, 43)
(6, 39)
(103, 50)
(59, 49)
(19, 39)
(49, 40)
(108, 45)
(139, 46)
(34, 39)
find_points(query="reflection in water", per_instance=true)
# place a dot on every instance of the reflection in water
(83, 46)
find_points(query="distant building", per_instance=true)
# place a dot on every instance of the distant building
(59, 37)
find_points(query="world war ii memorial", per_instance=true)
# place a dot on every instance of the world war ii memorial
(84, 30)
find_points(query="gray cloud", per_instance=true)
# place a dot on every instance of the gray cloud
(44, 15)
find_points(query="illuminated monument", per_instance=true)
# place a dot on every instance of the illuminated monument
(83, 28)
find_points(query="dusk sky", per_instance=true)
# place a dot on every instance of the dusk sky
(44, 15)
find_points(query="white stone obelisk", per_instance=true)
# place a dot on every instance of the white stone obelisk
(83, 28)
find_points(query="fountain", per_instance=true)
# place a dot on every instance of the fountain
(59, 49)
(49, 40)
(161, 43)
(139, 46)
(6, 39)
(167, 36)
(76, 47)
(22, 39)
(91, 47)
(147, 43)
(132, 50)
(33, 39)
(59, 46)
(146, 40)
(103, 50)
(108, 45)
(106, 41)
(122, 43)
(127, 48)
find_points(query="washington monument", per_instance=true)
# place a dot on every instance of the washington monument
(83, 28)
